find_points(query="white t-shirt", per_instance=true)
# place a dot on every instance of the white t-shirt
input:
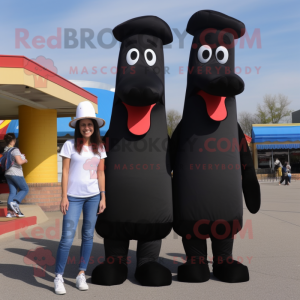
(83, 180)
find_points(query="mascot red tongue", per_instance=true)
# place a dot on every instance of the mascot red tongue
(215, 106)
(138, 121)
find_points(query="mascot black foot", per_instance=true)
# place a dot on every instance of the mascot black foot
(211, 161)
(194, 271)
(110, 273)
(153, 274)
(138, 172)
(230, 271)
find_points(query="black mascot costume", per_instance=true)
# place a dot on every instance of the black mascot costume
(211, 160)
(138, 173)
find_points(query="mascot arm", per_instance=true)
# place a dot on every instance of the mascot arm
(250, 185)
(174, 143)
(105, 137)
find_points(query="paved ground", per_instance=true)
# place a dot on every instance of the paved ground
(272, 256)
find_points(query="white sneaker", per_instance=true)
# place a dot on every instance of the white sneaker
(59, 287)
(10, 214)
(20, 214)
(81, 282)
(14, 207)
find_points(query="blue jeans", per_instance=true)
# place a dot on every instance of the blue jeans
(16, 183)
(89, 206)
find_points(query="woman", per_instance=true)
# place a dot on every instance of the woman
(278, 167)
(289, 171)
(83, 184)
(18, 187)
(284, 176)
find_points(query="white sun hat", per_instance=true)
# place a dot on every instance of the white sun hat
(85, 110)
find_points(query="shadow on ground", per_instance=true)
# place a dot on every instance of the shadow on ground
(26, 273)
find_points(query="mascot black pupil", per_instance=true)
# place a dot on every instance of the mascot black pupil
(220, 55)
(133, 55)
(149, 56)
(205, 54)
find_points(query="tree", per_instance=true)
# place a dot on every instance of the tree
(273, 110)
(246, 120)
(173, 118)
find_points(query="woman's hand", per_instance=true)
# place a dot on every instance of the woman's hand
(64, 205)
(20, 161)
(102, 204)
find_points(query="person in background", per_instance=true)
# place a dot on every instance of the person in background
(289, 170)
(2, 177)
(18, 187)
(83, 185)
(284, 176)
(278, 167)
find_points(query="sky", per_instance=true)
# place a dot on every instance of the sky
(269, 65)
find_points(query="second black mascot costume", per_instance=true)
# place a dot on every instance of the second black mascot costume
(211, 160)
(138, 181)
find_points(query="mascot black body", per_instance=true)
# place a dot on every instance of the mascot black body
(211, 161)
(138, 180)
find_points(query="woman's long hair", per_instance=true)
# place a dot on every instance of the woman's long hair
(95, 139)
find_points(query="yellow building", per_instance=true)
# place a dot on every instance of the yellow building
(37, 97)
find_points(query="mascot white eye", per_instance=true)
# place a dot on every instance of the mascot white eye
(132, 56)
(222, 55)
(204, 54)
(150, 57)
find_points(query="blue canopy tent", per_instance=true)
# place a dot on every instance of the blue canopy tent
(282, 140)
(277, 133)
(277, 146)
